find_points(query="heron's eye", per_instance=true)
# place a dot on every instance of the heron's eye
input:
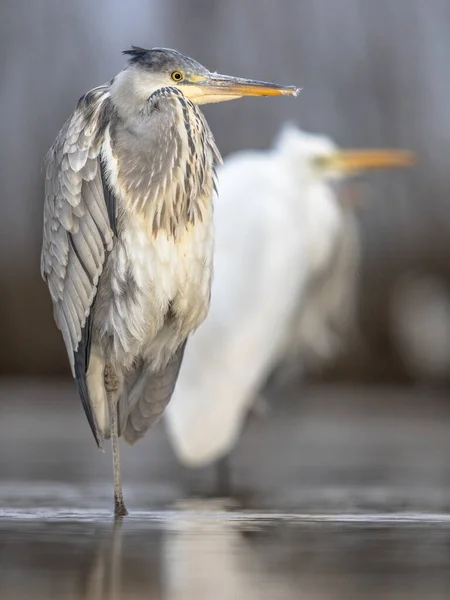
(177, 76)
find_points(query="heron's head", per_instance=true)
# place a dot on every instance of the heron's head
(317, 158)
(150, 70)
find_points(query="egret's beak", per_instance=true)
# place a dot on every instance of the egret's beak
(204, 89)
(349, 162)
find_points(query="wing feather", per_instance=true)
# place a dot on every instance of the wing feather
(148, 396)
(78, 229)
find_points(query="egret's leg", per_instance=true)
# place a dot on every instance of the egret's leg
(112, 386)
(259, 408)
(223, 471)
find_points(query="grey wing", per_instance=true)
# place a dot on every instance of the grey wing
(78, 232)
(148, 396)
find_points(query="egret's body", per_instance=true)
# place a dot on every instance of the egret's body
(259, 276)
(325, 316)
(267, 262)
(128, 234)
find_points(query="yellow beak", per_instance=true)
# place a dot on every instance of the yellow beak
(205, 89)
(354, 161)
(235, 86)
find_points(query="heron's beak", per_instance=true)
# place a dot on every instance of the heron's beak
(350, 162)
(205, 89)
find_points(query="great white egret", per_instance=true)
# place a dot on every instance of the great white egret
(279, 229)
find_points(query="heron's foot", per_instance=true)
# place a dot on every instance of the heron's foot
(119, 508)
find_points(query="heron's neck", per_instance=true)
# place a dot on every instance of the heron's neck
(164, 160)
(129, 93)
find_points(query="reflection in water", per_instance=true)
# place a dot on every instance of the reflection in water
(198, 551)
(104, 577)
(207, 557)
(79, 560)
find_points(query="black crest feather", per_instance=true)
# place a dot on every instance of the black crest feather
(161, 59)
(136, 53)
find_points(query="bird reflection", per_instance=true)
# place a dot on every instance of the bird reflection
(104, 578)
(206, 556)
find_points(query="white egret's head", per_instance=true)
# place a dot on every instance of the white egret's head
(318, 158)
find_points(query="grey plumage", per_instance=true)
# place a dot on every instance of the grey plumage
(81, 210)
(147, 396)
(128, 234)
(77, 230)
(162, 59)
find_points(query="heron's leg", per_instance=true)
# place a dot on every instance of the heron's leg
(112, 388)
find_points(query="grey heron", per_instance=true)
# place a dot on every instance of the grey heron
(128, 234)
(291, 224)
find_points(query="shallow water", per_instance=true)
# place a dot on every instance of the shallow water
(200, 550)
(347, 496)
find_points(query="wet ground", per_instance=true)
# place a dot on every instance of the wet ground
(342, 493)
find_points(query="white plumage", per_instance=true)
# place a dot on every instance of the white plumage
(324, 319)
(286, 256)
(272, 209)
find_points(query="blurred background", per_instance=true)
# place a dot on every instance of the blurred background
(372, 75)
